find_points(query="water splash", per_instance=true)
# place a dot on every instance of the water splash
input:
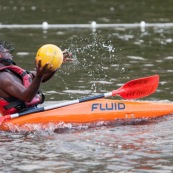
(62, 127)
(93, 54)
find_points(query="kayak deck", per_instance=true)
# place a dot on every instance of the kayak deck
(93, 111)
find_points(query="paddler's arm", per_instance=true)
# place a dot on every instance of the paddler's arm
(40, 73)
(15, 89)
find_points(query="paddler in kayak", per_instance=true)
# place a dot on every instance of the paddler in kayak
(19, 89)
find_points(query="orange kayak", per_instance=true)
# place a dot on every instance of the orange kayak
(91, 111)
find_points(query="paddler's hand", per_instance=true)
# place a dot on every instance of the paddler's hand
(43, 70)
(46, 72)
(67, 56)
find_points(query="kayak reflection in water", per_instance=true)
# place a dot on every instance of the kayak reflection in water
(19, 89)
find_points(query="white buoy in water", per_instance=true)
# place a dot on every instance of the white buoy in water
(45, 25)
(142, 25)
(93, 24)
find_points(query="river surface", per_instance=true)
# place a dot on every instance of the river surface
(104, 58)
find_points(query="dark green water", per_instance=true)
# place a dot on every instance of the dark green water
(75, 11)
(104, 59)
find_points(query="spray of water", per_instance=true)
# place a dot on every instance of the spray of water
(95, 62)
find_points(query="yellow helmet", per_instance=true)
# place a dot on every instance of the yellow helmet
(50, 53)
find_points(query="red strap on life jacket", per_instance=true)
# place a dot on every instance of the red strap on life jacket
(26, 78)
